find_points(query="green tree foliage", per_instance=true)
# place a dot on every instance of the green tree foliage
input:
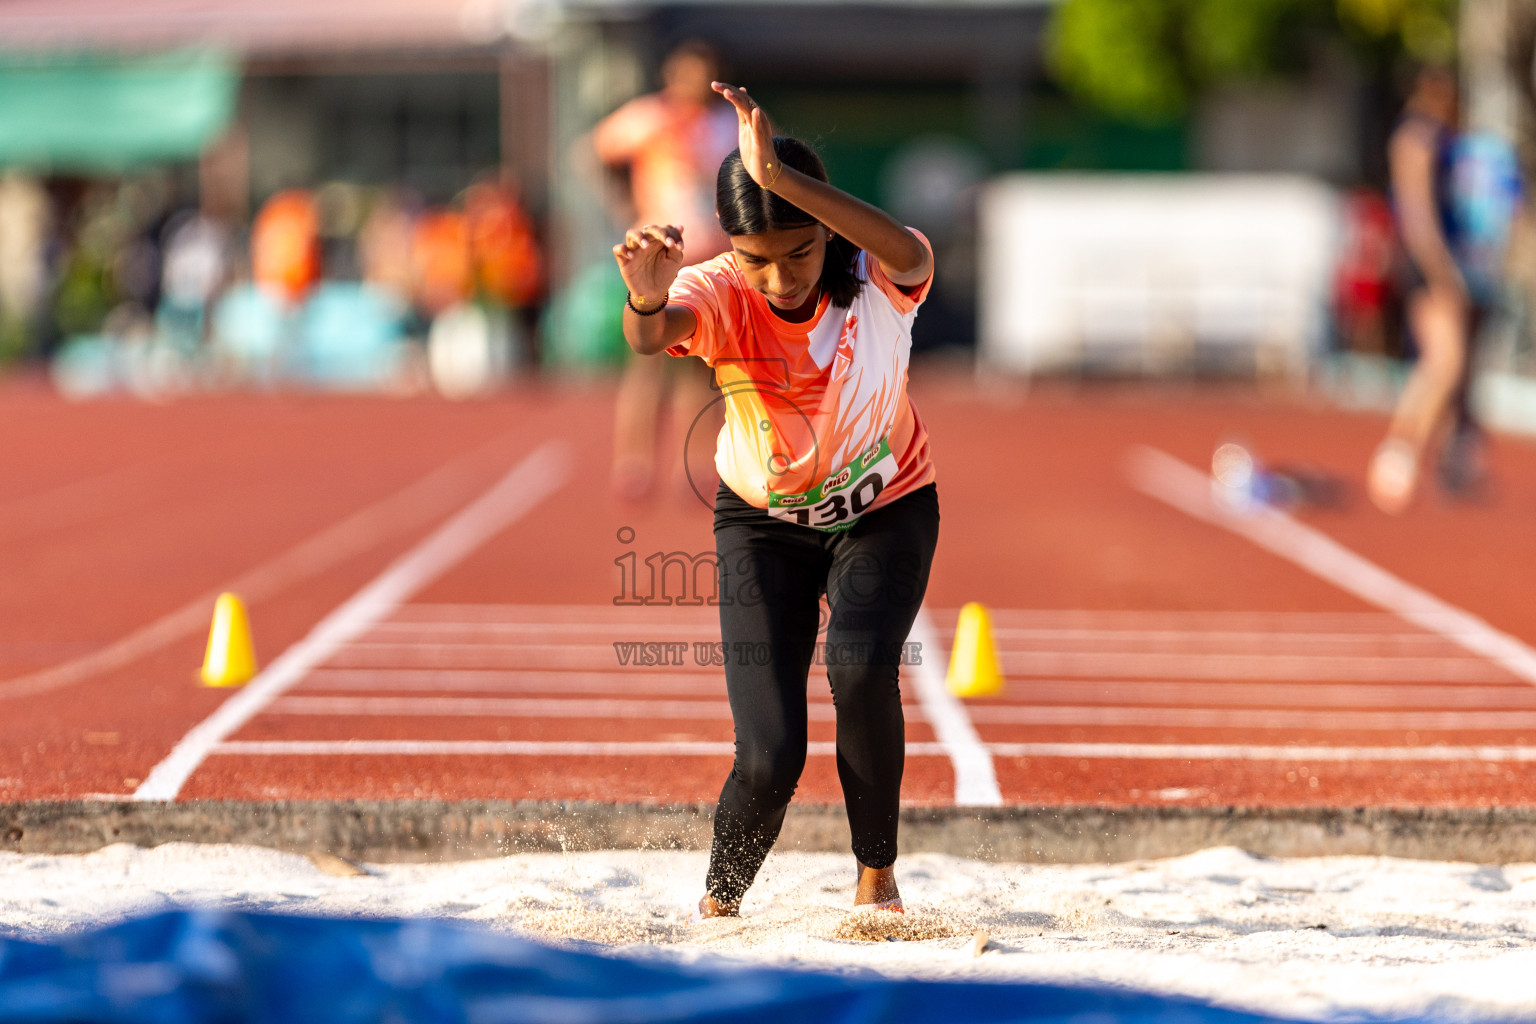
(1146, 59)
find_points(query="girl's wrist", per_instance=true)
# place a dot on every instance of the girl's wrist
(643, 306)
(771, 172)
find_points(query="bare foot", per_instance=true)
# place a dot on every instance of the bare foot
(711, 907)
(877, 887)
(1393, 476)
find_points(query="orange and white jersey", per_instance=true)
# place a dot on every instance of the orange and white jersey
(812, 407)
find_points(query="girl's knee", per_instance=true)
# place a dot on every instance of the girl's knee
(865, 686)
(770, 775)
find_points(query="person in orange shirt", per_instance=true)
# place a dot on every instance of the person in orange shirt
(826, 487)
(285, 246)
(671, 143)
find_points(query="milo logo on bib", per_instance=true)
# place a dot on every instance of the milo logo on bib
(842, 497)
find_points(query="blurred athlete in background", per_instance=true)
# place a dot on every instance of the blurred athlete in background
(671, 144)
(1454, 198)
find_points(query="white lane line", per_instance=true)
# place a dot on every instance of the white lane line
(1258, 718)
(1178, 640)
(1231, 752)
(1186, 621)
(603, 649)
(678, 748)
(519, 491)
(528, 748)
(1065, 621)
(1045, 692)
(1016, 664)
(486, 656)
(515, 707)
(975, 778)
(989, 714)
(432, 495)
(1106, 663)
(385, 647)
(1183, 621)
(1277, 667)
(1188, 489)
(450, 632)
(473, 680)
(992, 714)
(1243, 640)
(571, 614)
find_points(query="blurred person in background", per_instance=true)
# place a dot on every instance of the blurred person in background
(285, 246)
(145, 212)
(508, 267)
(477, 274)
(26, 223)
(255, 321)
(442, 275)
(384, 242)
(90, 234)
(341, 206)
(1363, 295)
(508, 262)
(671, 143)
(114, 322)
(1454, 201)
(194, 269)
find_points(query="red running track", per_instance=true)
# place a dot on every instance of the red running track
(1152, 657)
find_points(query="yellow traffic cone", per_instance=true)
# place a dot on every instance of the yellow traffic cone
(231, 658)
(973, 668)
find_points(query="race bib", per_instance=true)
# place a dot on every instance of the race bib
(842, 497)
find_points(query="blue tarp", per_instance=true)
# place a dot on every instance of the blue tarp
(265, 969)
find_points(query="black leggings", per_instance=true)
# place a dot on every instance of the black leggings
(772, 574)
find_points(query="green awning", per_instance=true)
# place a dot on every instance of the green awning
(104, 114)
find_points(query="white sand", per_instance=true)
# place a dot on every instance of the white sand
(1318, 938)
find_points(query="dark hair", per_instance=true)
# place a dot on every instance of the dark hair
(701, 49)
(746, 208)
(1411, 76)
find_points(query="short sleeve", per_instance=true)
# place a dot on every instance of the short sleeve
(904, 298)
(695, 290)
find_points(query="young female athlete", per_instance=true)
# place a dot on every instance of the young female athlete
(826, 484)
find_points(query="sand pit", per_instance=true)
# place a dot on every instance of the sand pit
(1318, 938)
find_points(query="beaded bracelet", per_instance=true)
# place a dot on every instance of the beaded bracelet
(630, 302)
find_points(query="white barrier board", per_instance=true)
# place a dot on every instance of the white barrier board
(1148, 270)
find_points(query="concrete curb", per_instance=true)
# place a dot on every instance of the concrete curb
(436, 830)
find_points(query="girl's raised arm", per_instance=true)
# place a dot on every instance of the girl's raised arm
(649, 259)
(904, 259)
